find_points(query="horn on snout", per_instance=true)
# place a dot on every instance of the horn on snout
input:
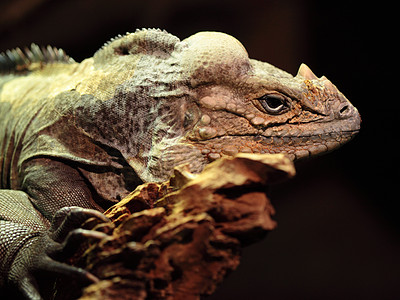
(306, 72)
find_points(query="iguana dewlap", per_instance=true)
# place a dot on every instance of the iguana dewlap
(85, 134)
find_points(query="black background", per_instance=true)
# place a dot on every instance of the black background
(338, 226)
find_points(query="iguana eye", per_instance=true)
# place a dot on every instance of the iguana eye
(274, 104)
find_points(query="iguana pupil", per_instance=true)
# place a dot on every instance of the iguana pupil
(273, 104)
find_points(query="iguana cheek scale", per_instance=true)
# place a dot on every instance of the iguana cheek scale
(86, 134)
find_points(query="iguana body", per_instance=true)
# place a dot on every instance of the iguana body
(85, 134)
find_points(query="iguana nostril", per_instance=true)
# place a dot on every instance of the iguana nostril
(343, 110)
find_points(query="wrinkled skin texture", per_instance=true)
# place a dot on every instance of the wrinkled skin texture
(159, 102)
(86, 134)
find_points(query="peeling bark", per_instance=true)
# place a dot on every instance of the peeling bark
(179, 239)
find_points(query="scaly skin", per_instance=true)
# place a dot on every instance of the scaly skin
(85, 134)
(202, 98)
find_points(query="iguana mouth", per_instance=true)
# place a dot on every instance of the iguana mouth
(295, 147)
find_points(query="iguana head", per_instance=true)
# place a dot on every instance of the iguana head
(250, 106)
(196, 100)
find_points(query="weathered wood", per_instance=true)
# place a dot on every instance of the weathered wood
(179, 239)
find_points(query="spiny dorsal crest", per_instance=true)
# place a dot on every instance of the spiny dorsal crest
(31, 59)
(155, 42)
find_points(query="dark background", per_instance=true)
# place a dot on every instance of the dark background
(338, 232)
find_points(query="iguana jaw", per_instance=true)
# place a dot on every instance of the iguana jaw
(295, 147)
(297, 140)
